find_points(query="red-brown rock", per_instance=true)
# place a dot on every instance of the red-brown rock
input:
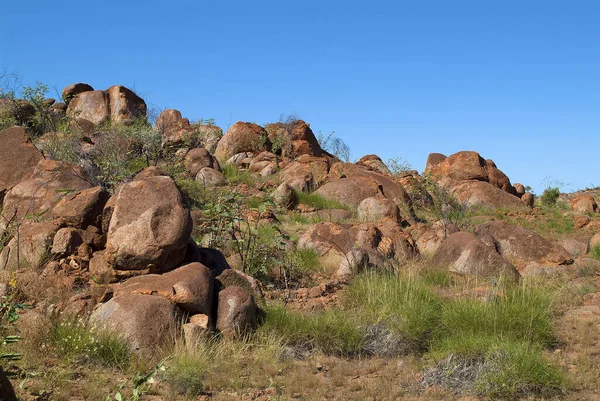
(242, 137)
(18, 157)
(149, 227)
(463, 253)
(584, 203)
(189, 286)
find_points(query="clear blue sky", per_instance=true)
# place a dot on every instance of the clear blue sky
(517, 81)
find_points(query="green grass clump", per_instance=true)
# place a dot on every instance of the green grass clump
(306, 260)
(236, 176)
(506, 335)
(332, 332)
(517, 369)
(595, 252)
(74, 340)
(404, 304)
(436, 277)
(520, 313)
(186, 370)
(317, 201)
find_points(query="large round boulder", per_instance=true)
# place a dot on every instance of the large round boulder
(350, 191)
(75, 89)
(242, 137)
(143, 321)
(463, 253)
(90, 106)
(480, 193)
(584, 203)
(149, 226)
(522, 247)
(125, 107)
(237, 312)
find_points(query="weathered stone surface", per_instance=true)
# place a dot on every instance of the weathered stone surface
(237, 312)
(528, 199)
(326, 238)
(144, 321)
(521, 246)
(189, 286)
(237, 278)
(210, 177)
(378, 208)
(479, 193)
(37, 195)
(465, 165)
(374, 163)
(30, 247)
(242, 137)
(305, 174)
(149, 227)
(352, 263)
(584, 203)
(66, 241)
(91, 106)
(294, 139)
(82, 208)
(429, 239)
(576, 246)
(73, 90)
(284, 196)
(463, 253)
(173, 127)
(519, 189)
(350, 191)
(198, 158)
(125, 107)
(433, 160)
(18, 157)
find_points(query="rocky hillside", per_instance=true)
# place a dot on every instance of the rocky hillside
(174, 261)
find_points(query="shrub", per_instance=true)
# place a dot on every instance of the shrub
(398, 166)
(334, 145)
(550, 196)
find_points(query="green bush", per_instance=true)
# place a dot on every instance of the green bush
(550, 196)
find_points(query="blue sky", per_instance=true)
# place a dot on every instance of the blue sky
(517, 81)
